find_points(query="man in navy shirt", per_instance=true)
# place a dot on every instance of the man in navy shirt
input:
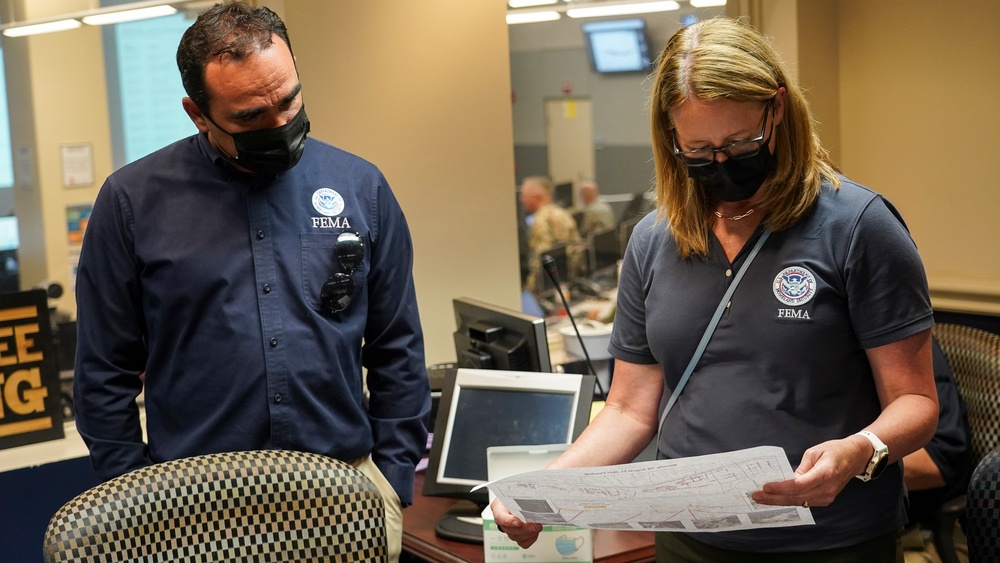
(244, 278)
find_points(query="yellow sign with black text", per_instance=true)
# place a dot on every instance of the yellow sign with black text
(29, 380)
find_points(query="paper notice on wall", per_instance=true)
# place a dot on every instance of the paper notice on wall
(78, 164)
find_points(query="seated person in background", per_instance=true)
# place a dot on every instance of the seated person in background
(941, 469)
(597, 214)
(548, 224)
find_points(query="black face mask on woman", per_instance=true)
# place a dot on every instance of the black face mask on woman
(735, 179)
(271, 150)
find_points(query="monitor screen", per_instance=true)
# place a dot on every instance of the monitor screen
(618, 46)
(562, 194)
(605, 251)
(484, 408)
(560, 254)
(8, 233)
(492, 337)
(640, 204)
(626, 227)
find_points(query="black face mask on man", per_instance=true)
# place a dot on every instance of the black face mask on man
(271, 150)
(735, 179)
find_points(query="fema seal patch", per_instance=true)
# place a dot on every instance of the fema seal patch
(328, 202)
(794, 286)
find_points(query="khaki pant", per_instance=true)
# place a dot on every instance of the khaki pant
(393, 508)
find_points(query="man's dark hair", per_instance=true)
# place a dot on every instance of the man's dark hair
(231, 28)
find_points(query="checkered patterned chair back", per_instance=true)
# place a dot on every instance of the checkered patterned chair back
(974, 356)
(982, 511)
(241, 506)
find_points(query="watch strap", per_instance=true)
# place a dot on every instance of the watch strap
(879, 457)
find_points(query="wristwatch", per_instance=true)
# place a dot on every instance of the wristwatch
(879, 459)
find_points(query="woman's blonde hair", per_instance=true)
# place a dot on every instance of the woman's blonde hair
(724, 58)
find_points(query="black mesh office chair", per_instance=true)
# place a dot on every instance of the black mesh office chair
(974, 356)
(982, 513)
(240, 506)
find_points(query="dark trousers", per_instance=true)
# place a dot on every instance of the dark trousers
(682, 548)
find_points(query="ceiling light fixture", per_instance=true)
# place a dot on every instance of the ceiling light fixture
(130, 15)
(43, 27)
(529, 3)
(707, 3)
(132, 11)
(531, 17)
(609, 9)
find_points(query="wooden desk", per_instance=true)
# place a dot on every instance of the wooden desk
(420, 540)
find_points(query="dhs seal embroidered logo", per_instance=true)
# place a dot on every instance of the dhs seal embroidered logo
(328, 202)
(795, 286)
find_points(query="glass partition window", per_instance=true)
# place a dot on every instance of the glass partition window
(144, 86)
(6, 161)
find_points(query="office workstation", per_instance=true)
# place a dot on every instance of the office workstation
(360, 99)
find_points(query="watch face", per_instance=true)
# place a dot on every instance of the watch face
(880, 465)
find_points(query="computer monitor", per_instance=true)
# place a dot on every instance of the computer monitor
(625, 229)
(605, 251)
(484, 408)
(562, 194)
(640, 204)
(9, 233)
(560, 255)
(492, 337)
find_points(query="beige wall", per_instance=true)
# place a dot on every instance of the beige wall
(920, 123)
(905, 94)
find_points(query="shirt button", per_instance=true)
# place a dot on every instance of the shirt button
(729, 273)
(267, 288)
(274, 342)
(277, 398)
(260, 235)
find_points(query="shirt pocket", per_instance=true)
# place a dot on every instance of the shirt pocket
(319, 263)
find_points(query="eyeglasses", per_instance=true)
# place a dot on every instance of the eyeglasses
(736, 151)
(337, 291)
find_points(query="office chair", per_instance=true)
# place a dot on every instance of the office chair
(239, 506)
(974, 356)
(982, 513)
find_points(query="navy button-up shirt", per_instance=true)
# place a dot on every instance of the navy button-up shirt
(202, 286)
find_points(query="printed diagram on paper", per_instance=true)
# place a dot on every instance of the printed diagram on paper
(696, 494)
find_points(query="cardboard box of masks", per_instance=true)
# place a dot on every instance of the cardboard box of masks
(556, 543)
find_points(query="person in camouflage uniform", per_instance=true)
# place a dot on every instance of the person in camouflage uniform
(548, 225)
(597, 214)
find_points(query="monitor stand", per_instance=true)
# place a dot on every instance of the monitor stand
(463, 522)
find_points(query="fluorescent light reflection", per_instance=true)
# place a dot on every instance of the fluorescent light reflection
(35, 29)
(529, 3)
(623, 9)
(130, 15)
(532, 17)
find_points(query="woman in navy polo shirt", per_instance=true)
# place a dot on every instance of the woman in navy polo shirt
(824, 348)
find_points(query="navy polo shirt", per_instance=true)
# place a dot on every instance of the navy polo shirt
(786, 365)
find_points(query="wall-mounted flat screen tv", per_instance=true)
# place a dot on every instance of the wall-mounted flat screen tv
(618, 46)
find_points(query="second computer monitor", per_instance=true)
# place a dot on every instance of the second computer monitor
(605, 251)
(625, 229)
(560, 258)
